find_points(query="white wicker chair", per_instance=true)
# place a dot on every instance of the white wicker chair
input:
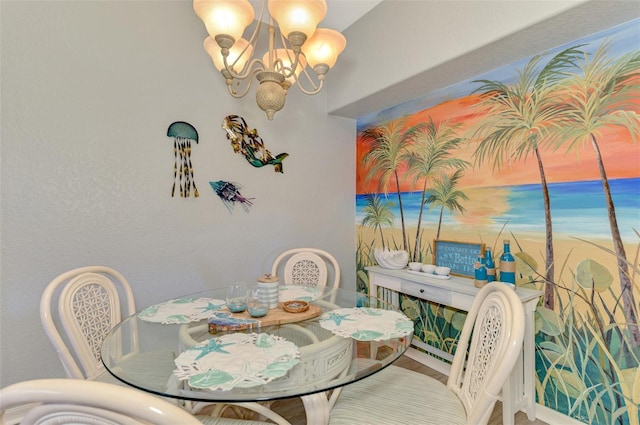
(87, 303)
(67, 401)
(308, 267)
(495, 325)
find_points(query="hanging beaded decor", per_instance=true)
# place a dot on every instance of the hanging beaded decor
(183, 134)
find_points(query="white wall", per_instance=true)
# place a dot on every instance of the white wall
(88, 91)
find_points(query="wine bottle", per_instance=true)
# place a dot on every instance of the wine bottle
(490, 265)
(507, 265)
(480, 272)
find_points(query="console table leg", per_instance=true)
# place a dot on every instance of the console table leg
(529, 361)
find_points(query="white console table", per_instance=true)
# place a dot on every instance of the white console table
(518, 392)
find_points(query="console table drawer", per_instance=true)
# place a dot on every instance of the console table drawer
(426, 292)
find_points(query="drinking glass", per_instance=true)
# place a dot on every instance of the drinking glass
(237, 297)
(257, 304)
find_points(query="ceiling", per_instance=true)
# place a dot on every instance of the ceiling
(340, 13)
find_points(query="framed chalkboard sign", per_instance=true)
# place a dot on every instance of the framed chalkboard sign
(459, 256)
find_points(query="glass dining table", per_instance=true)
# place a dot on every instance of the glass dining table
(193, 349)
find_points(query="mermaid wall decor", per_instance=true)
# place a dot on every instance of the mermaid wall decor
(247, 142)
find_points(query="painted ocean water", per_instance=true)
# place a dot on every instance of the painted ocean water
(577, 209)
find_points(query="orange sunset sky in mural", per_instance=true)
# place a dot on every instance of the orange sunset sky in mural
(621, 155)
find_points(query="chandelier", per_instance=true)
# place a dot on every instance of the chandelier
(303, 55)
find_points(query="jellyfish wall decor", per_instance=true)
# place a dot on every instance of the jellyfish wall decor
(229, 193)
(247, 142)
(183, 134)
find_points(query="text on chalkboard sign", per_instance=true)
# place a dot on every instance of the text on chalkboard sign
(459, 256)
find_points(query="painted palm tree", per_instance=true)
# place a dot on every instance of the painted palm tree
(430, 155)
(446, 195)
(602, 96)
(377, 214)
(519, 119)
(388, 143)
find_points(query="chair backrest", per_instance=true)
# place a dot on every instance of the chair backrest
(495, 325)
(56, 401)
(79, 308)
(307, 267)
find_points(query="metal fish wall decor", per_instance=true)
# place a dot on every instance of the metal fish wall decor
(229, 193)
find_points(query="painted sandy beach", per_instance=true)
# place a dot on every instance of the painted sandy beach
(569, 251)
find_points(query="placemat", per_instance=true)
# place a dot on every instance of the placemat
(181, 310)
(236, 360)
(367, 324)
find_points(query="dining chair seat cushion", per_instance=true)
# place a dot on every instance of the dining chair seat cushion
(397, 395)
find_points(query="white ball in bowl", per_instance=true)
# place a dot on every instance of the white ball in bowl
(443, 271)
(415, 266)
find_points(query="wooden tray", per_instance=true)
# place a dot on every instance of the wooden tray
(276, 316)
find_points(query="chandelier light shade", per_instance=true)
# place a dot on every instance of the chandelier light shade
(282, 62)
(323, 47)
(236, 59)
(299, 53)
(229, 17)
(298, 16)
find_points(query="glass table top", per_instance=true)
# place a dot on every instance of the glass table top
(193, 348)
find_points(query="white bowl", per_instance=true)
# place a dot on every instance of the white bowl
(415, 266)
(443, 271)
(429, 268)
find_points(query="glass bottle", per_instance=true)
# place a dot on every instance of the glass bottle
(480, 272)
(507, 265)
(490, 265)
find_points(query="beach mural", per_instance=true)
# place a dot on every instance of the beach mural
(544, 152)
